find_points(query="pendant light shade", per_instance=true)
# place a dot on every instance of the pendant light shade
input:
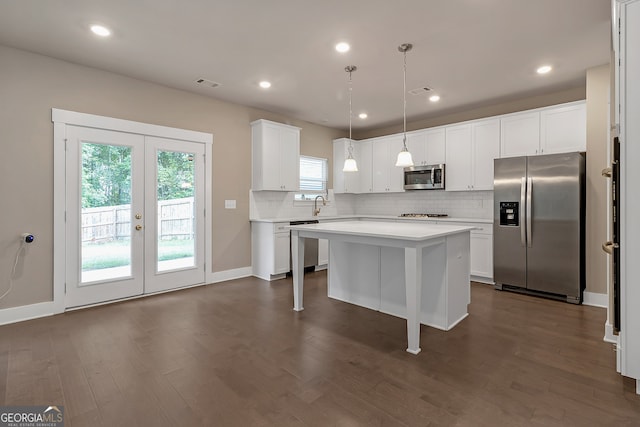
(350, 164)
(404, 157)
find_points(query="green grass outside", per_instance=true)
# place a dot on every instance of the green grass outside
(96, 256)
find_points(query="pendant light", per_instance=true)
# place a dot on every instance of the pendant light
(404, 156)
(350, 163)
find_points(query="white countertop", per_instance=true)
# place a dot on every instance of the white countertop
(381, 217)
(412, 231)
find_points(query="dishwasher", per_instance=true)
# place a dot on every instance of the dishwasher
(310, 249)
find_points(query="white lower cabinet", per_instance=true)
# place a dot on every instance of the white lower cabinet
(481, 251)
(481, 255)
(270, 249)
(323, 252)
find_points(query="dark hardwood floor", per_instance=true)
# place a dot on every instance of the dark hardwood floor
(235, 354)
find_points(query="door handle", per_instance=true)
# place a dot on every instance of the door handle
(138, 227)
(529, 209)
(606, 172)
(609, 246)
(523, 190)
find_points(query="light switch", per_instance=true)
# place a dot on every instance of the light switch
(229, 204)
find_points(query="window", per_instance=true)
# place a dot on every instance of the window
(313, 177)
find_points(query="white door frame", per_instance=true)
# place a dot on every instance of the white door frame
(62, 118)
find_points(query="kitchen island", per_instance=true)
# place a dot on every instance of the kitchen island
(416, 271)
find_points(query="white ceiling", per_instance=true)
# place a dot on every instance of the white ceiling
(471, 52)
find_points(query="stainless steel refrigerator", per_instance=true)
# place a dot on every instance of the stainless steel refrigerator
(538, 226)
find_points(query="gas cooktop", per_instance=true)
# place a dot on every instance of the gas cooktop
(423, 215)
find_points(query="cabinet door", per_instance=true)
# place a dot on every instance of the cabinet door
(345, 182)
(365, 151)
(289, 159)
(351, 179)
(435, 147)
(416, 144)
(396, 174)
(323, 252)
(339, 154)
(520, 135)
(458, 158)
(486, 148)
(282, 248)
(270, 160)
(563, 129)
(481, 256)
(380, 165)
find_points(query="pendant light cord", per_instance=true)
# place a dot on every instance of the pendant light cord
(404, 107)
(350, 69)
(350, 109)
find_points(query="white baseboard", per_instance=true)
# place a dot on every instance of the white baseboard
(608, 333)
(480, 279)
(44, 309)
(236, 273)
(595, 300)
(27, 312)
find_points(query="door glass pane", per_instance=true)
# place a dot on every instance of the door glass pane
(105, 212)
(176, 214)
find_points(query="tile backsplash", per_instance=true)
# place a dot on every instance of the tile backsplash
(462, 204)
(459, 204)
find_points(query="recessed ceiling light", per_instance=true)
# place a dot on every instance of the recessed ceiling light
(343, 47)
(544, 69)
(363, 115)
(434, 98)
(101, 31)
(265, 84)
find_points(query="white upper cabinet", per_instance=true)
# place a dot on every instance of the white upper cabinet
(427, 146)
(563, 129)
(558, 129)
(387, 177)
(520, 134)
(486, 148)
(365, 166)
(458, 158)
(345, 182)
(470, 151)
(275, 156)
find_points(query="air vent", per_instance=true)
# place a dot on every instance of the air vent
(420, 91)
(209, 83)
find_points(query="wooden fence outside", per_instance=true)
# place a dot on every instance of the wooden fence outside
(108, 223)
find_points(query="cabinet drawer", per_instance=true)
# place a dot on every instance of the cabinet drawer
(281, 227)
(483, 228)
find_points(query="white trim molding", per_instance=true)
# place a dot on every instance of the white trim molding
(49, 308)
(61, 119)
(236, 273)
(608, 334)
(27, 312)
(595, 299)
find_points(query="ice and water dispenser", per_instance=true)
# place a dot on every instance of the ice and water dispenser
(510, 214)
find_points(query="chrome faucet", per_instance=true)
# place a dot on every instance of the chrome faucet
(316, 209)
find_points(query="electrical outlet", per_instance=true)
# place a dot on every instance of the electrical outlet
(229, 204)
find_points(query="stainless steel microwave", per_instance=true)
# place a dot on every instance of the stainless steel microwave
(428, 177)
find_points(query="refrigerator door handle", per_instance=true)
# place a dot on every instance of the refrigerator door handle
(523, 191)
(609, 246)
(529, 208)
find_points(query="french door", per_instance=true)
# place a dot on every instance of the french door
(134, 215)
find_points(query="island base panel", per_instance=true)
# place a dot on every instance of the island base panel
(374, 277)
